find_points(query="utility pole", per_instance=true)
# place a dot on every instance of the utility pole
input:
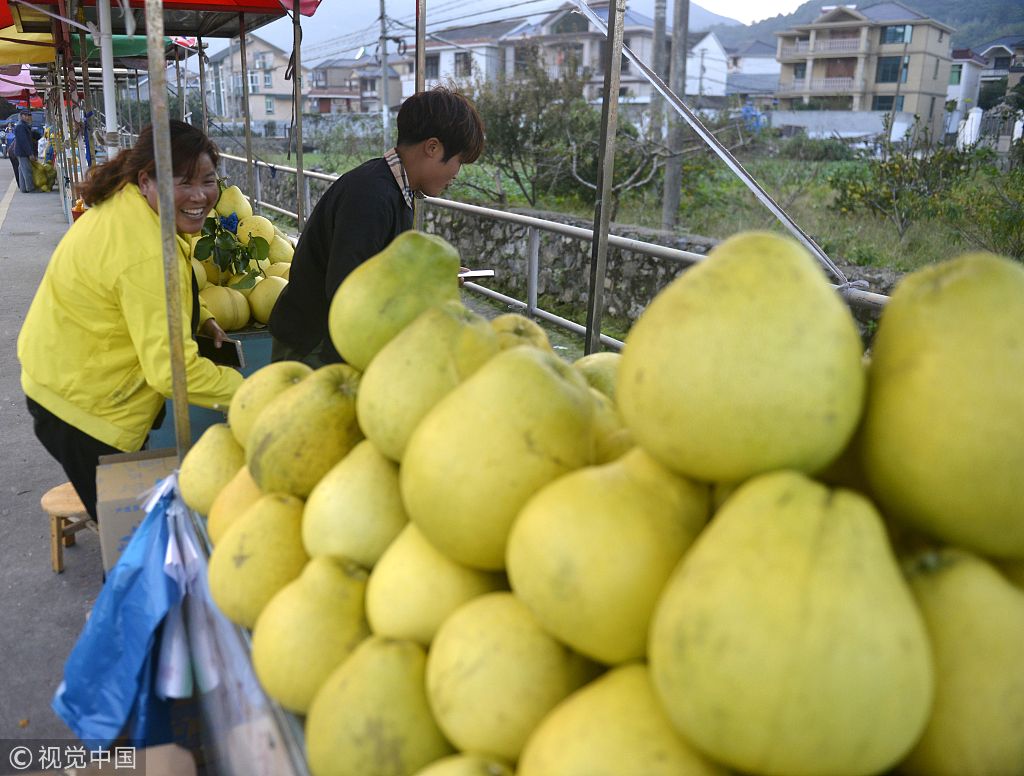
(700, 82)
(383, 91)
(659, 63)
(677, 128)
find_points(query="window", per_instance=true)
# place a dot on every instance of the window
(254, 83)
(936, 73)
(463, 64)
(521, 58)
(268, 105)
(941, 34)
(955, 74)
(931, 108)
(885, 102)
(800, 71)
(1001, 63)
(890, 70)
(432, 67)
(900, 33)
(571, 22)
(268, 79)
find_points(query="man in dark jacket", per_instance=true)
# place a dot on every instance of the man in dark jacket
(25, 150)
(364, 210)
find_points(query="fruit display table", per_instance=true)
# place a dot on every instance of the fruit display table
(243, 731)
(256, 349)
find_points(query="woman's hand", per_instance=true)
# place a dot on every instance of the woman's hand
(213, 330)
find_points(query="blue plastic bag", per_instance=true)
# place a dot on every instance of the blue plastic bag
(109, 677)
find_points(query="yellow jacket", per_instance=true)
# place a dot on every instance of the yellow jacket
(94, 347)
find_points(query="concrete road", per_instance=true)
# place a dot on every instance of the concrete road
(41, 613)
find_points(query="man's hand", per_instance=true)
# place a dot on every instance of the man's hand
(213, 330)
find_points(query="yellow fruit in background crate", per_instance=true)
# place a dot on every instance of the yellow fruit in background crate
(308, 629)
(264, 296)
(209, 466)
(747, 363)
(257, 556)
(281, 251)
(371, 718)
(254, 226)
(601, 371)
(228, 306)
(943, 436)
(302, 433)
(590, 553)
(279, 269)
(975, 620)
(384, 294)
(467, 765)
(514, 329)
(614, 725)
(787, 640)
(259, 389)
(232, 200)
(493, 674)
(238, 495)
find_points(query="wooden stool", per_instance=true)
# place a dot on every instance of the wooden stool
(67, 517)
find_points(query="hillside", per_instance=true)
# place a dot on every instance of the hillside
(975, 22)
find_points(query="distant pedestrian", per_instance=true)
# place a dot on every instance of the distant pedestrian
(25, 150)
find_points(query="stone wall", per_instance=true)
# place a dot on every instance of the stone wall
(564, 268)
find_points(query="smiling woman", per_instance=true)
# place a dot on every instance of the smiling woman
(95, 359)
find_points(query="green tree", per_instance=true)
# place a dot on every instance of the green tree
(991, 215)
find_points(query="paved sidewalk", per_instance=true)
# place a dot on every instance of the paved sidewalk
(41, 613)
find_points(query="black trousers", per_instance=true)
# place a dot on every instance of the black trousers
(75, 450)
(14, 163)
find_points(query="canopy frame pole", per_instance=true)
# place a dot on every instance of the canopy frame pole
(62, 145)
(245, 106)
(202, 84)
(177, 84)
(111, 139)
(421, 79)
(300, 181)
(606, 169)
(138, 101)
(165, 190)
(86, 85)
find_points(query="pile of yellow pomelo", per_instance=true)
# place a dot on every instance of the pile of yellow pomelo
(741, 546)
(232, 304)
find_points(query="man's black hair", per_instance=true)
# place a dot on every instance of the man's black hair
(447, 115)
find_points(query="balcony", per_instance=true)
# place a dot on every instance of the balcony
(822, 86)
(821, 46)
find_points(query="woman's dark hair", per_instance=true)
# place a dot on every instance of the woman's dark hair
(445, 114)
(188, 143)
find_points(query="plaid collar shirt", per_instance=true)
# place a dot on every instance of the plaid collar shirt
(395, 163)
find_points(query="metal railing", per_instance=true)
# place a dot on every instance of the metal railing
(854, 296)
(822, 46)
(822, 85)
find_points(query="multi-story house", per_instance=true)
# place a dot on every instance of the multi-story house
(463, 54)
(1002, 54)
(353, 86)
(753, 75)
(964, 86)
(886, 57)
(270, 95)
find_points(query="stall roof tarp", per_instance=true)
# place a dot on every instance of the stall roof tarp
(204, 18)
(124, 46)
(15, 85)
(25, 48)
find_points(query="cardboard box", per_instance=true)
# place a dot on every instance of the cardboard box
(121, 482)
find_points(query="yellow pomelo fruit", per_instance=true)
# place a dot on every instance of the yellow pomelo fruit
(514, 329)
(467, 765)
(371, 717)
(259, 554)
(975, 621)
(748, 363)
(209, 466)
(235, 283)
(254, 226)
(258, 390)
(302, 433)
(787, 641)
(590, 553)
(943, 437)
(356, 510)
(611, 438)
(413, 588)
(600, 371)
(1013, 570)
(232, 200)
(238, 495)
(523, 419)
(308, 629)
(614, 725)
(228, 306)
(213, 273)
(280, 270)
(493, 674)
(385, 293)
(281, 250)
(264, 296)
(443, 346)
(200, 272)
